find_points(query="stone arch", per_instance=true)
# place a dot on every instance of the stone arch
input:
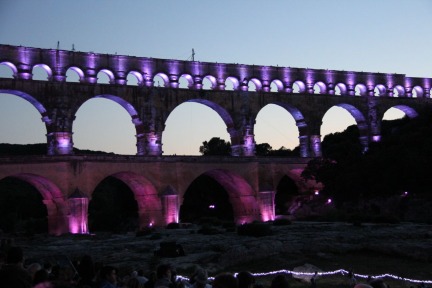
(39, 106)
(299, 87)
(286, 190)
(12, 68)
(45, 68)
(212, 80)
(57, 207)
(164, 78)
(138, 76)
(342, 89)
(149, 204)
(278, 84)
(232, 81)
(361, 123)
(300, 123)
(398, 91)
(139, 129)
(320, 88)
(410, 112)
(417, 92)
(188, 81)
(360, 90)
(109, 74)
(257, 83)
(78, 71)
(380, 90)
(241, 195)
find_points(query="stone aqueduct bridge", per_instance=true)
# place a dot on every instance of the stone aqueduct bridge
(158, 184)
(366, 96)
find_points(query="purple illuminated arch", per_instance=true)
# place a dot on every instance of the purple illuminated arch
(109, 74)
(11, 66)
(235, 82)
(45, 68)
(30, 99)
(295, 113)
(212, 80)
(360, 90)
(320, 88)
(410, 112)
(278, 84)
(257, 83)
(126, 105)
(137, 75)
(398, 91)
(53, 199)
(78, 71)
(146, 195)
(241, 195)
(188, 79)
(301, 87)
(342, 89)
(417, 92)
(380, 90)
(164, 78)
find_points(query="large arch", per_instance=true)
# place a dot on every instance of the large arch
(220, 111)
(241, 195)
(138, 125)
(360, 120)
(149, 205)
(57, 207)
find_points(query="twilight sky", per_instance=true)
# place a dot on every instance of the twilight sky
(390, 36)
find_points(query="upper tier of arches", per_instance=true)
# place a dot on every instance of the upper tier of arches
(57, 64)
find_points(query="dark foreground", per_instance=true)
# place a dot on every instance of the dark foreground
(404, 250)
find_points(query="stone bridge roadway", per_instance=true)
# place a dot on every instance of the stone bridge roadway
(66, 184)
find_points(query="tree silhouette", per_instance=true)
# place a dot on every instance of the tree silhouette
(215, 146)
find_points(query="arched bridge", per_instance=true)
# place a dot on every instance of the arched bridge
(66, 184)
(307, 94)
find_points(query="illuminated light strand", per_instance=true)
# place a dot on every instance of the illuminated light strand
(328, 273)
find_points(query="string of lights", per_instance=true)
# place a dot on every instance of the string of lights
(331, 273)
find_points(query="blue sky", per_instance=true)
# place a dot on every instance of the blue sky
(367, 35)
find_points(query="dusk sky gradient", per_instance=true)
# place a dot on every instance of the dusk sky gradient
(390, 36)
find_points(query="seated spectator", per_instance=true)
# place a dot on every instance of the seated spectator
(164, 273)
(40, 276)
(13, 274)
(108, 277)
(200, 279)
(225, 280)
(378, 283)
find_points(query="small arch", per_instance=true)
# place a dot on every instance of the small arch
(398, 111)
(134, 78)
(105, 76)
(360, 90)
(160, 80)
(298, 87)
(257, 83)
(74, 74)
(41, 72)
(276, 86)
(231, 83)
(209, 82)
(286, 191)
(320, 88)
(8, 70)
(185, 81)
(417, 92)
(398, 91)
(340, 89)
(380, 90)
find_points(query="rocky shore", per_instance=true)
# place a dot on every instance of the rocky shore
(400, 249)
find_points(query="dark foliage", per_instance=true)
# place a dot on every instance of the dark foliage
(37, 149)
(400, 162)
(215, 146)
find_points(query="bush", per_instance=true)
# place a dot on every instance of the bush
(255, 229)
